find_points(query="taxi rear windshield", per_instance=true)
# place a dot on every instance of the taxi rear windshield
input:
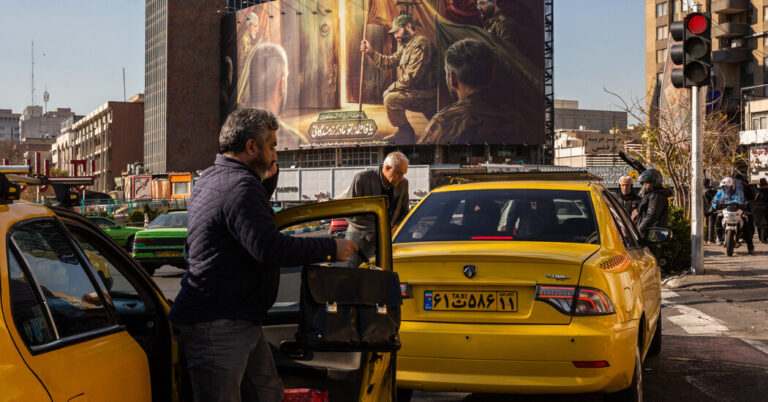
(505, 215)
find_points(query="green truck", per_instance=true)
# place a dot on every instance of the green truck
(122, 235)
(162, 242)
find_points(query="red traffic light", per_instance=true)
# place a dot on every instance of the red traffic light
(696, 23)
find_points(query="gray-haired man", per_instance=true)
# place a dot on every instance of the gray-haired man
(389, 180)
(628, 197)
(234, 252)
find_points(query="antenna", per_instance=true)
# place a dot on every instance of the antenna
(33, 74)
(46, 96)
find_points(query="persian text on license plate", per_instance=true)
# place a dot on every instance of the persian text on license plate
(168, 253)
(460, 300)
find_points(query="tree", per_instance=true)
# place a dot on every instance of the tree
(666, 142)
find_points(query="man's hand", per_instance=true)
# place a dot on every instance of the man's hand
(634, 215)
(272, 171)
(344, 248)
(365, 47)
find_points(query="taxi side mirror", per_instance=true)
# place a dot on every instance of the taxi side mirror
(658, 236)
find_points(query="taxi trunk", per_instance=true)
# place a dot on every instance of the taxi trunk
(492, 282)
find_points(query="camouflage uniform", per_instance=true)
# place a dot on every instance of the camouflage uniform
(500, 25)
(415, 89)
(474, 118)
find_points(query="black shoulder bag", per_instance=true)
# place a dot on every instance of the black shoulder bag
(349, 309)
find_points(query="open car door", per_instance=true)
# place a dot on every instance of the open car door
(346, 376)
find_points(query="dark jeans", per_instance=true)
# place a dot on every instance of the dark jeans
(711, 228)
(229, 360)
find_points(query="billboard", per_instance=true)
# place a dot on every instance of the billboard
(308, 63)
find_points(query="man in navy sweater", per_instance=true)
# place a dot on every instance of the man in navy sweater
(234, 252)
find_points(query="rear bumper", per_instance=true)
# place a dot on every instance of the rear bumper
(526, 359)
(150, 259)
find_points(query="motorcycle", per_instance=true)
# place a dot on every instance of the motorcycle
(733, 223)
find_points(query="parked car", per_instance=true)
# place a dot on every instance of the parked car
(71, 334)
(338, 228)
(121, 234)
(526, 286)
(162, 242)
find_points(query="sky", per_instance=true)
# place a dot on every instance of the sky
(82, 46)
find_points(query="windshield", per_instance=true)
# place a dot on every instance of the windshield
(174, 220)
(511, 215)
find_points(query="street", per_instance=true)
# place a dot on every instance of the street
(715, 334)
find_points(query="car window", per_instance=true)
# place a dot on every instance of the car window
(68, 290)
(620, 221)
(175, 220)
(27, 308)
(104, 223)
(511, 215)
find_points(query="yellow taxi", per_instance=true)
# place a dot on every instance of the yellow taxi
(81, 320)
(531, 283)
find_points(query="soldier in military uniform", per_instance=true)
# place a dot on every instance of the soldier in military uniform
(476, 117)
(496, 22)
(415, 89)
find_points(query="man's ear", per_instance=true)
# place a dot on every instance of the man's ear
(453, 80)
(251, 148)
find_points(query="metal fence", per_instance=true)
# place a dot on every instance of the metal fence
(124, 206)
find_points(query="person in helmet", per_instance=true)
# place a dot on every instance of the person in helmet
(729, 193)
(653, 210)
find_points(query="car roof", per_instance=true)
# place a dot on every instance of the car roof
(24, 210)
(518, 184)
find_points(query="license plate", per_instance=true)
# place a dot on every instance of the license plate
(460, 300)
(168, 254)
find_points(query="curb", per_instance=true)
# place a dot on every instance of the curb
(303, 230)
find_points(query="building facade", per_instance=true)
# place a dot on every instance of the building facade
(112, 136)
(568, 116)
(739, 47)
(9, 125)
(33, 123)
(755, 138)
(182, 74)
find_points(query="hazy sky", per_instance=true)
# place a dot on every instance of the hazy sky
(81, 47)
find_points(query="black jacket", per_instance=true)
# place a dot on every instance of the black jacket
(654, 209)
(234, 249)
(760, 208)
(630, 202)
(709, 195)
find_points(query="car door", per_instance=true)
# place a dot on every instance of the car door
(62, 321)
(347, 376)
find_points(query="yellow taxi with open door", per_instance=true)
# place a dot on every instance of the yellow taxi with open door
(80, 320)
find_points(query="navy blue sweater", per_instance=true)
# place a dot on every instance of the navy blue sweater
(234, 249)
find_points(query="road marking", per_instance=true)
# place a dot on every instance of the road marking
(705, 388)
(695, 322)
(756, 344)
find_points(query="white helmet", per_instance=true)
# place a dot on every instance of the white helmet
(727, 181)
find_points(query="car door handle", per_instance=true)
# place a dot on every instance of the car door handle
(295, 350)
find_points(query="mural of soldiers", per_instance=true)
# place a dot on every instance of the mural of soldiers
(265, 86)
(251, 37)
(416, 88)
(475, 117)
(496, 22)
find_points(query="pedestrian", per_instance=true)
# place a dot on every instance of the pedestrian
(730, 194)
(653, 211)
(628, 197)
(234, 252)
(388, 179)
(710, 236)
(760, 211)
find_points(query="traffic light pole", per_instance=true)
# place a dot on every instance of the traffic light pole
(697, 199)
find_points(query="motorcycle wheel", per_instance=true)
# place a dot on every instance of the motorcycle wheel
(730, 242)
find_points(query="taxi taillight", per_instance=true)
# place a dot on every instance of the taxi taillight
(575, 300)
(143, 242)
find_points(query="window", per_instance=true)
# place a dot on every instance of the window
(756, 124)
(661, 55)
(180, 188)
(660, 80)
(765, 13)
(509, 215)
(26, 307)
(624, 225)
(103, 223)
(661, 32)
(684, 5)
(170, 220)
(70, 293)
(661, 9)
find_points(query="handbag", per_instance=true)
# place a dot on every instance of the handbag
(349, 309)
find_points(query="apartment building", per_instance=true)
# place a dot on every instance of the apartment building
(739, 44)
(9, 125)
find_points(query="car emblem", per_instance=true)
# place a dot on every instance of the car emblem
(558, 277)
(470, 271)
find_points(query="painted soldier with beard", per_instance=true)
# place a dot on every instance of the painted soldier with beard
(416, 88)
(494, 19)
(475, 117)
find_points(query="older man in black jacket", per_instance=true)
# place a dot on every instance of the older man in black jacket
(627, 195)
(234, 252)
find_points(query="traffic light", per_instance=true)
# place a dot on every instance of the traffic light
(694, 53)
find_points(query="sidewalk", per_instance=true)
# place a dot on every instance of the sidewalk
(719, 267)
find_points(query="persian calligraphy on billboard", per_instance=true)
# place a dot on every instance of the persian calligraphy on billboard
(302, 61)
